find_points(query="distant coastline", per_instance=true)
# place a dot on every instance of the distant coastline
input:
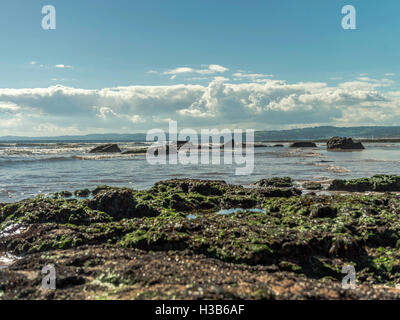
(317, 134)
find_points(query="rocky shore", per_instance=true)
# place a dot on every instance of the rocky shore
(178, 240)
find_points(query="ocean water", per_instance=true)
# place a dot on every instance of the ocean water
(28, 169)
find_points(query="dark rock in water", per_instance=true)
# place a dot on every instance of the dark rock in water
(135, 151)
(82, 193)
(278, 145)
(278, 182)
(230, 144)
(379, 183)
(66, 194)
(177, 145)
(303, 144)
(312, 185)
(172, 147)
(338, 143)
(321, 211)
(106, 148)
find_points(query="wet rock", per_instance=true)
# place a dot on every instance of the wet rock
(120, 204)
(84, 193)
(66, 194)
(203, 187)
(106, 148)
(321, 211)
(127, 244)
(100, 189)
(179, 204)
(339, 143)
(271, 192)
(378, 183)
(135, 151)
(303, 144)
(278, 145)
(278, 182)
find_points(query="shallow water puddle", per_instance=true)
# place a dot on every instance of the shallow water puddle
(235, 210)
(191, 216)
(7, 260)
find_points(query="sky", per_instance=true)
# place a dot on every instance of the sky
(127, 66)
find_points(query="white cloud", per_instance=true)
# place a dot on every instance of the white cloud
(251, 76)
(259, 105)
(210, 69)
(8, 106)
(62, 66)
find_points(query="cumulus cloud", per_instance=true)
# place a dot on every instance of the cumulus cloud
(220, 103)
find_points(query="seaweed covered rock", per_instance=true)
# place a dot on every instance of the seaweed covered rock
(106, 148)
(321, 211)
(303, 144)
(272, 192)
(339, 143)
(120, 204)
(378, 183)
(84, 193)
(203, 187)
(142, 244)
(278, 182)
(46, 210)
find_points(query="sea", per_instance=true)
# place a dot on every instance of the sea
(31, 168)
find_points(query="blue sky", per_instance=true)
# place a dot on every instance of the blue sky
(129, 65)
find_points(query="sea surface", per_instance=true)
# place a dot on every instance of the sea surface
(28, 169)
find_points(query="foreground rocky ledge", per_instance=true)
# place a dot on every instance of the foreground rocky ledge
(173, 241)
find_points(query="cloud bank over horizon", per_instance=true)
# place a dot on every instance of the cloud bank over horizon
(256, 102)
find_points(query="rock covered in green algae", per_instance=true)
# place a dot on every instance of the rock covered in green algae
(84, 193)
(378, 183)
(139, 244)
(278, 182)
(121, 203)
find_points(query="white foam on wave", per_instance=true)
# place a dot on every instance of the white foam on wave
(104, 156)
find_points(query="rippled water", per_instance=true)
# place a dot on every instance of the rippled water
(29, 169)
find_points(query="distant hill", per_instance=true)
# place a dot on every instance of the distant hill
(326, 132)
(316, 133)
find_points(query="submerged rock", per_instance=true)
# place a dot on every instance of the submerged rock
(106, 148)
(338, 143)
(303, 144)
